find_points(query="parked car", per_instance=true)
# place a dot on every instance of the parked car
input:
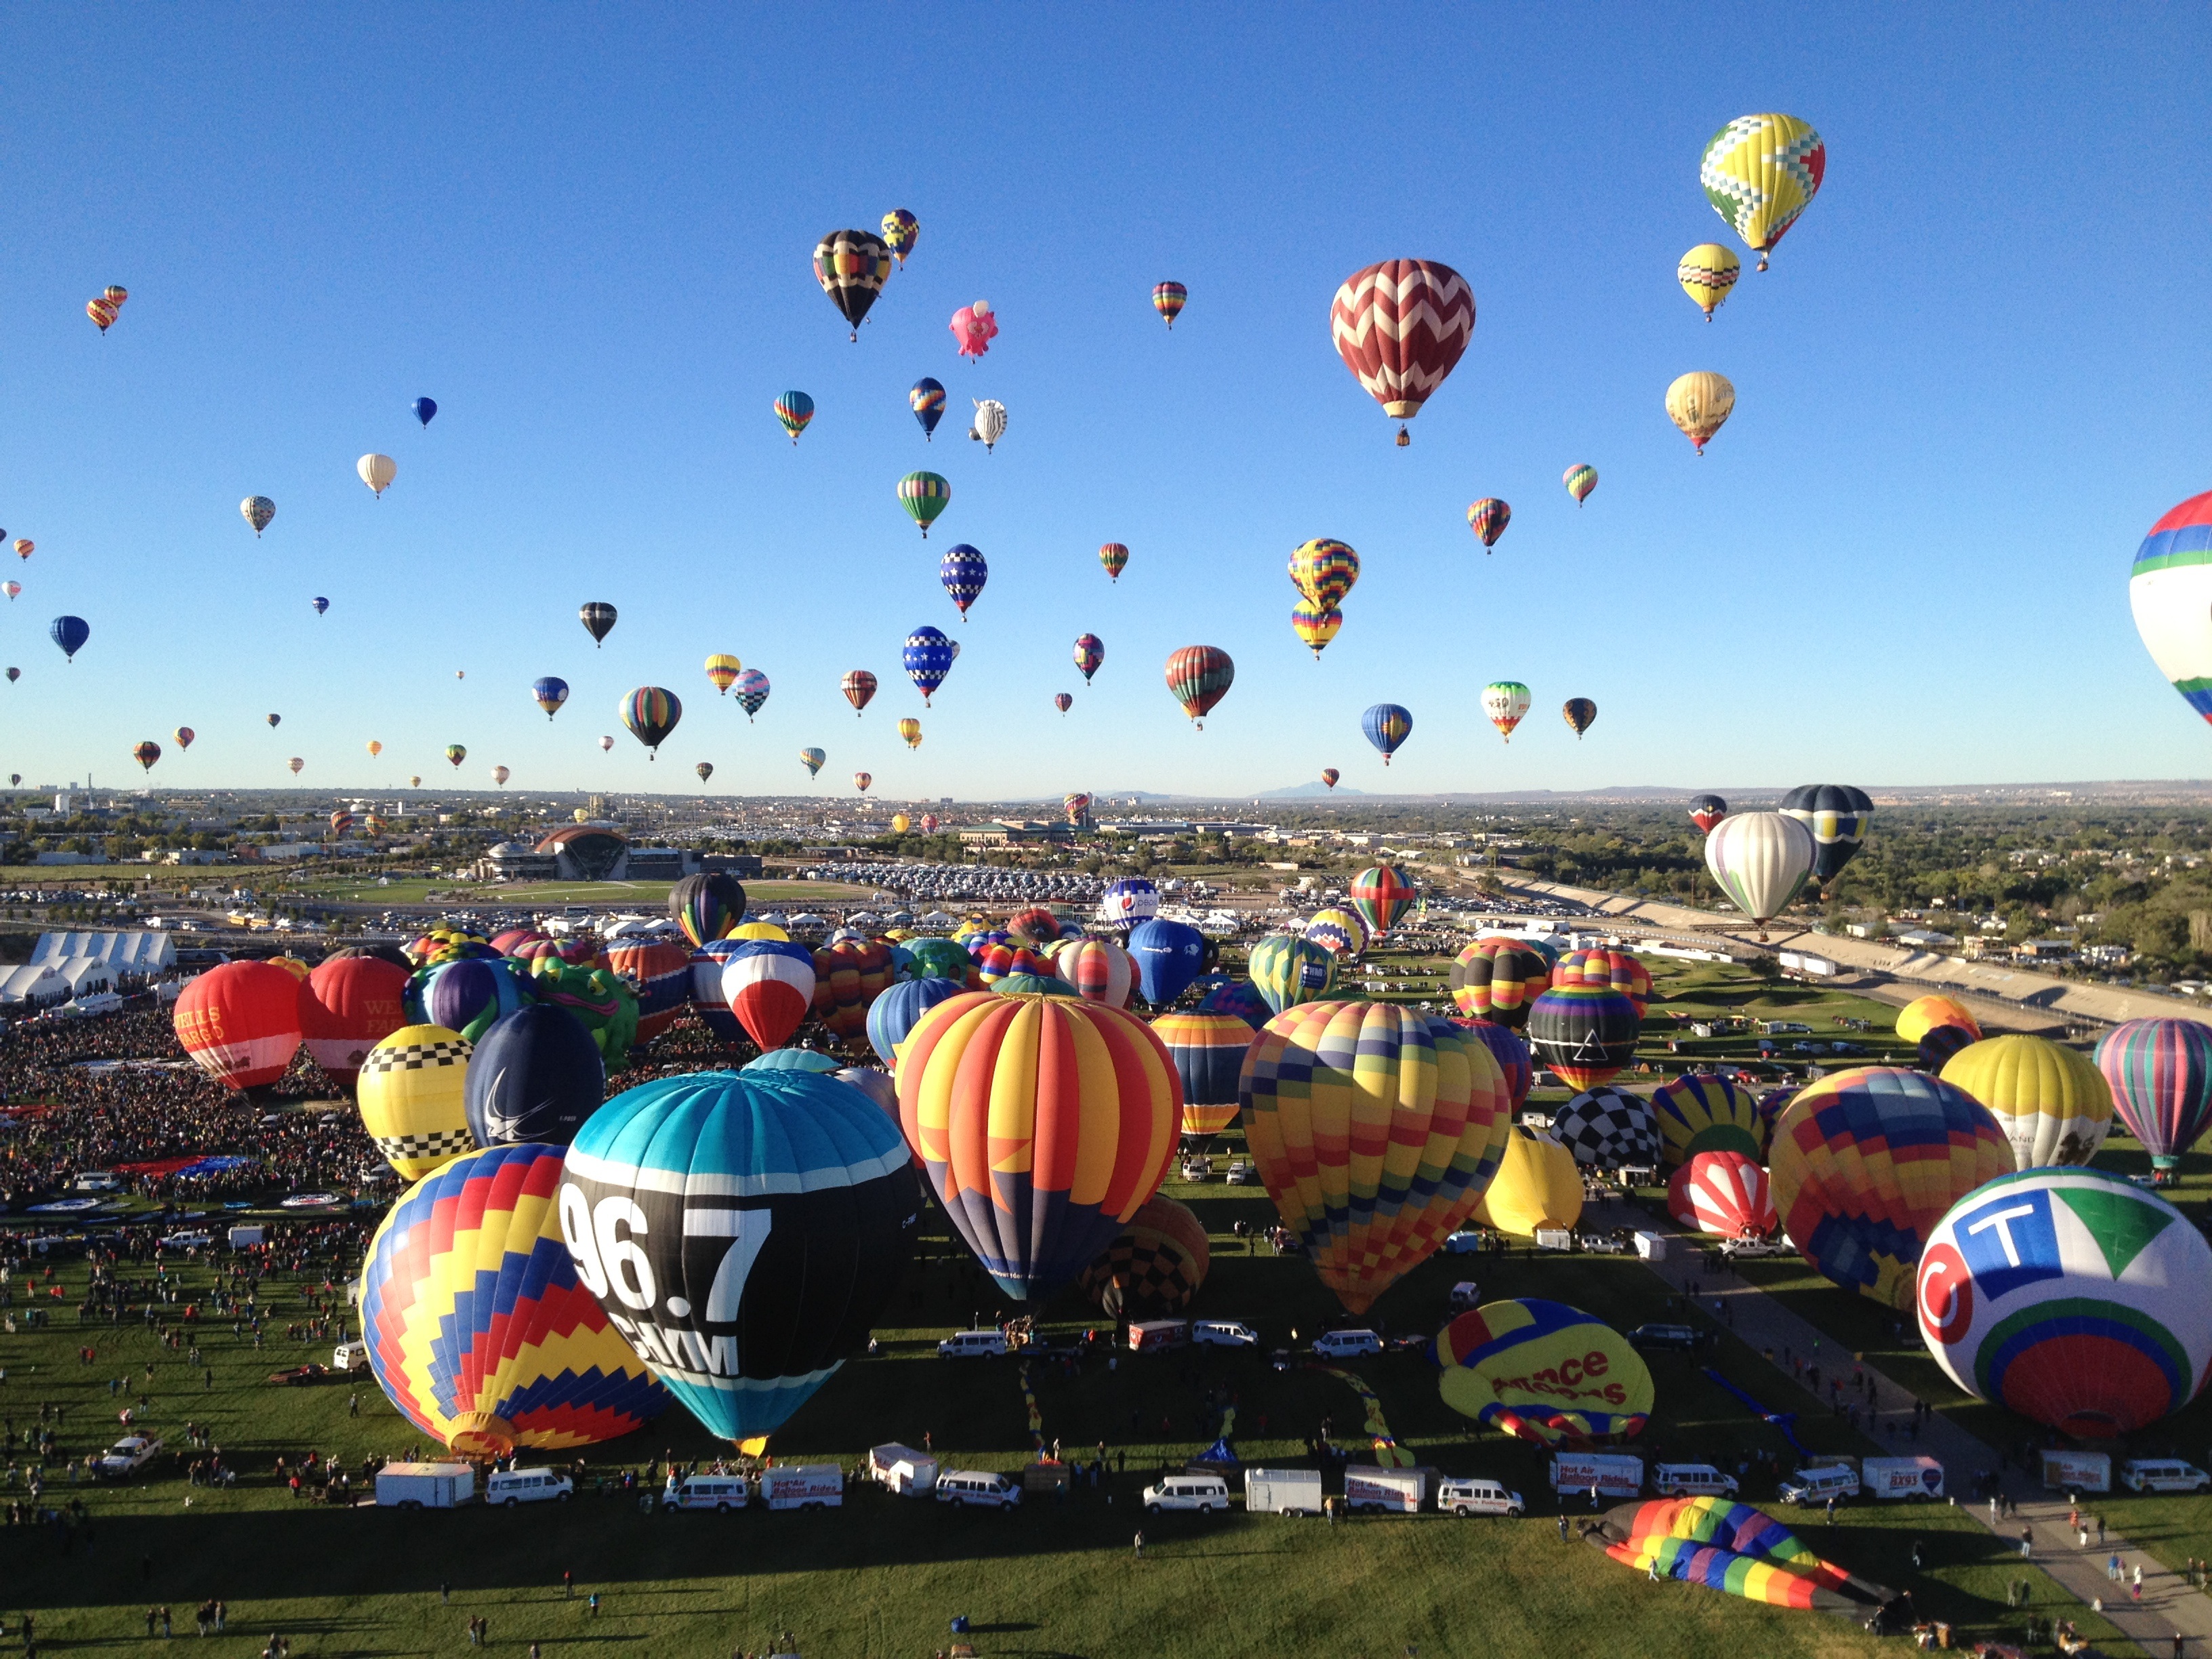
(2162, 1474)
(983, 1490)
(1464, 1498)
(1223, 1334)
(720, 1493)
(1682, 1337)
(128, 1456)
(300, 1376)
(508, 1487)
(1206, 1493)
(973, 1345)
(1243, 1172)
(350, 1356)
(1465, 1242)
(1347, 1345)
(1464, 1295)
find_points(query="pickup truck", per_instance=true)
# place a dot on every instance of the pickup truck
(128, 1456)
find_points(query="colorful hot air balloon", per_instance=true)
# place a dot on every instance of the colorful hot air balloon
(1706, 273)
(1314, 629)
(146, 754)
(535, 1075)
(1377, 1130)
(500, 774)
(808, 1184)
(2160, 1072)
(1153, 1267)
(859, 686)
(924, 495)
(707, 907)
(12, 589)
(599, 619)
(705, 770)
(1207, 1051)
(852, 266)
(1168, 956)
(722, 671)
(895, 1013)
(2170, 593)
(1580, 479)
(812, 759)
(102, 310)
(1131, 899)
(275, 720)
(1381, 896)
(1098, 970)
(1700, 403)
(1042, 1122)
(24, 547)
(1923, 1014)
(1090, 653)
(1760, 172)
(1339, 931)
(550, 693)
(184, 735)
(2071, 1297)
(1199, 677)
(1838, 815)
(1386, 726)
(322, 606)
(240, 1022)
(1115, 557)
(910, 730)
(990, 423)
(1488, 518)
(660, 974)
(1504, 703)
(752, 689)
(377, 471)
(1608, 1128)
(70, 633)
(1705, 1112)
(1586, 1034)
(769, 984)
(927, 398)
(1325, 571)
(1077, 804)
(1733, 1548)
(2052, 1101)
(962, 573)
(1707, 810)
(793, 410)
(456, 754)
(650, 713)
(927, 659)
(1062, 701)
(862, 779)
(1543, 1371)
(1168, 299)
(1760, 861)
(1499, 979)
(476, 1327)
(974, 327)
(410, 1084)
(1601, 965)
(1288, 970)
(296, 765)
(1865, 1162)
(1724, 1195)
(1400, 326)
(425, 408)
(1578, 713)
(901, 231)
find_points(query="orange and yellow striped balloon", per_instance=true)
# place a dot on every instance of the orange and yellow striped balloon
(1043, 1123)
(1377, 1130)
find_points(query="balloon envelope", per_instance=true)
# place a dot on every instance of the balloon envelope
(2160, 1074)
(707, 907)
(1288, 969)
(1723, 1193)
(2052, 1103)
(893, 1015)
(1587, 1034)
(412, 1089)
(1207, 1051)
(1543, 1371)
(347, 1007)
(240, 1022)
(1704, 1111)
(1153, 1267)
(1761, 860)
(769, 984)
(1499, 979)
(1168, 956)
(535, 1075)
(1608, 1128)
(1733, 1548)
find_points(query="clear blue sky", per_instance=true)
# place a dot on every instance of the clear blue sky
(1977, 372)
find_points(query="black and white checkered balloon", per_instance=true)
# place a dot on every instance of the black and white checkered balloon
(1609, 1129)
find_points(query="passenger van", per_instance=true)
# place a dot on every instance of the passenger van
(1204, 1493)
(1477, 1498)
(973, 1486)
(1691, 1480)
(1347, 1345)
(973, 1345)
(1809, 1488)
(512, 1487)
(2162, 1474)
(721, 1492)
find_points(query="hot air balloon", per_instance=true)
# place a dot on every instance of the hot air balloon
(650, 713)
(425, 408)
(1499, 979)
(1706, 273)
(1377, 1130)
(1090, 653)
(1733, 1548)
(1760, 172)
(849, 976)
(15, 674)
(1339, 931)
(2160, 1072)
(769, 984)
(705, 770)
(476, 1327)
(241, 1022)
(1077, 804)
(1838, 815)
(1865, 1162)
(410, 1085)
(1538, 1187)
(321, 605)
(1400, 326)
(1062, 701)
(974, 327)
(910, 730)
(377, 471)
(1578, 713)
(924, 495)
(1580, 479)
(467, 987)
(1617, 970)
(1098, 970)
(1543, 1371)
(1168, 299)
(859, 686)
(12, 589)
(102, 310)
(455, 754)
(1707, 810)
(1700, 402)
(1504, 703)
(535, 1076)
(296, 765)
(146, 754)
(793, 410)
(1199, 677)
(1325, 571)
(901, 231)
(928, 659)
(1381, 896)
(1207, 1051)
(707, 907)
(374, 747)
(1288, 970)
(2052, 1103)
(24, 547)
(812, 759)
(1608, 1128)
(752, 689)
(1705, 1112)
(1386, 726)
(1042, 1122)
(1329, 774)
(347, 1007)
(500, 774)
(990, 423)
(70, 633)
(1760, 861)
(1114, 556)
(599, 619)
(1488, 518)
(962, 573)
(184, 735)
(275, 720)
(1314, 629)
(1924, 1014)
(722, 671)
(1168, 956)
(551, 693)
(852, 266)
(862, 779)
(1723, 1195)
(1131, 899)
(2170, 592)
(1586, 1034)
(895, 1012)
(1153, 1267)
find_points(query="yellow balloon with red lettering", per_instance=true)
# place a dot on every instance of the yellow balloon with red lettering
(1543, 1371)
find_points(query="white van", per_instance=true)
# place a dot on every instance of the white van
(512, 1487)
(1223, 1334)
(350, 1356)
(990, 1492)
(1347, 1345)
(1464, 1295)
(1811, 1487)
(2162, 1474)
(1477, 1498)
(720, 1493)
(803, 1487)
(1690, 1481)
(973, 1345)
(1206, 1493)
(1282, 1491)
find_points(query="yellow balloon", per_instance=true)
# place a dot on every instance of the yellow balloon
(2052, 1101)
(374, 747)
(1706, 273)
(1698, 403)
(1923, 1014)
(758, 930)
(411, 1098)
(723, 670)
(901, 824)
(1539, 1185)
(910, 729)
(1760, 172)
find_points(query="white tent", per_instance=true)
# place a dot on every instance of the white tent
(138, 952)
(46, 982)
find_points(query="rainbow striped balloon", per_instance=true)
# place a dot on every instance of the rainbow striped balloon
(2161, 1073)
(1381, 896)
(1099, 969)
(1207, 1051)
(1705, 1112)
(477, 1327)
(1733, 1548)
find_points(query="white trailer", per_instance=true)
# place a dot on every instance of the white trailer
(245, 1236)
(2077, 1471)
(1614, 1474)
(803, 1487)
(426, 1485)
(1896, 1478)
(1282, 1491)
(909, 1473)
(1373, 1490)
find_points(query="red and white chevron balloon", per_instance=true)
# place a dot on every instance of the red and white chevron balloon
(1400, 326)
(1725, 1194)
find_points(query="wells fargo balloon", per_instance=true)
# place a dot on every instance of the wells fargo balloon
(1699, 404)
(348, 1005)
(1608, 1128)
(1115, 557)
(1488, 518)
(1377, 1130)
(744, 1231)
(1288, 969)
(1704, 1111)
(1386, 726)
(893, 1015)
(659, 973)
(927, 398)
(1580, 479)
(475, 1326)
(1168, 299)
(1324, 570)
(1153, 1267)
(1098, 970)
(240, 1022)
(1761, 860)
(2071, 1297)
(1499, 979)
(1865, 1162)
(1207, 1051)
(1543, 1371)
(1736, 1549)
(534, 1076)
(852, 266)
(411, 1088)
(2160, 1072)
(1726, 1194)
(259, 511)
(1760, 172)
(1579, 713)
(1838, 816)
(1199, 677)
(2052, 1101)
(793, 410)
(769, 984)
(598, 620)
(1043, 1123)
(1586, 1034)
(1400, 326)
(1382, 896)
(1539, 1186)
(1504, 703)
(2170, 592)
(707, 905)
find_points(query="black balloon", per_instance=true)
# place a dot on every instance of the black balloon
(535, 1075)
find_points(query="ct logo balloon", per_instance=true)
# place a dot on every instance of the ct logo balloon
(1946, 1294)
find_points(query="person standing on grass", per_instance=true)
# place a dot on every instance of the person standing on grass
(1139, 1544)
(568, 1584)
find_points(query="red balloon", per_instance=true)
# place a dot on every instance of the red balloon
(848, 977)
(241, 1022)
(660, 974)
(1400, 327)
(346, 1007)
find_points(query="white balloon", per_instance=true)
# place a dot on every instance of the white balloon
(377, 471)
(990, 420)
(1760, 861)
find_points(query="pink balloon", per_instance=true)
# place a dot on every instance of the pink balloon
(974, 330)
